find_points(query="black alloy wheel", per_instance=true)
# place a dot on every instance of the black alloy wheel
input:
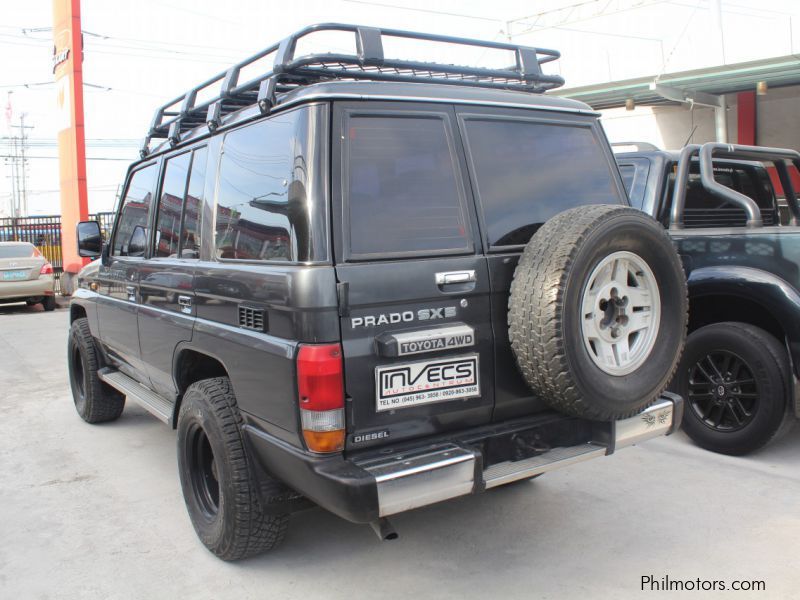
(723, 392)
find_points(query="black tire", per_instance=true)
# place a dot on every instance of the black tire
(219, 486)
(49, 303)
(745, 413)
(95, 401)
(545, 311)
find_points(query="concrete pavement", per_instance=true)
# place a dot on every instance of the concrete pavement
(97, 512)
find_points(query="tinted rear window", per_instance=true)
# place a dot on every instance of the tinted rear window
(402, 186)
(17, 251)
(526, 172)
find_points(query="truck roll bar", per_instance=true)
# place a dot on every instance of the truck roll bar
(707, 152)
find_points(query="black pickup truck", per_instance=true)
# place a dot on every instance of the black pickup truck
(740, 246)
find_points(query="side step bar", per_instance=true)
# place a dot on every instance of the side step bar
(159, 407)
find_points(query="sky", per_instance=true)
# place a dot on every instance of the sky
(138, 54)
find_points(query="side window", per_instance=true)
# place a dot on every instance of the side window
(527, 171)
(634, 172)
(132, 220)
(401, 186)
(178, 222)
(192, 208)
(261, 192)
(170, 206)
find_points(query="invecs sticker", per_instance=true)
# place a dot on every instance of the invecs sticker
(426, 382)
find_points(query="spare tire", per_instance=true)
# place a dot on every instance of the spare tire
(598, 311)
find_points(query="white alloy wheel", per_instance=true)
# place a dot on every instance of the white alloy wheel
(620, 313)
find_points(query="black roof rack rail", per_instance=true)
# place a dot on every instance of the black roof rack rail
(369, 62)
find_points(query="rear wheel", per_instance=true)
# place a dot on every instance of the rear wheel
(218, 478)
(734, 377)
(95, 401)
(598, 311)
(49, 303)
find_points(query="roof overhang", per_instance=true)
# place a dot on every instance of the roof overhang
(699, 86)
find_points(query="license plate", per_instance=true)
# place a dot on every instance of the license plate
(426, 382)
(14, 275)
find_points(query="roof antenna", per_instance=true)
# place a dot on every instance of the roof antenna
(690, 136)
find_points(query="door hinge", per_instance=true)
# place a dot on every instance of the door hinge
(343, 296)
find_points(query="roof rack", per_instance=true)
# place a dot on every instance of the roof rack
(288, 71)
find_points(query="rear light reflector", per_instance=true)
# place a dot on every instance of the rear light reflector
(47, 269)
(320, 386)
(322, 420)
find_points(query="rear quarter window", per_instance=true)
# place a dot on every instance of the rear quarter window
(527, 171)
(634, 172)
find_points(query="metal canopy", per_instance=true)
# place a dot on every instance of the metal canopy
(725, 79)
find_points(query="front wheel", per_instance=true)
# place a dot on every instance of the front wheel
(218, 478)
(734, 377)
(95, 401)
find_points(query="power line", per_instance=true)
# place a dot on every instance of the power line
(425, 10)
(56, 157)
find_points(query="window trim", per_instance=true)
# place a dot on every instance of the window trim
(123, 197)
(343, 210)
(591, 125)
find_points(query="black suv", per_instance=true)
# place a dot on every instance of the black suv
(373, 284)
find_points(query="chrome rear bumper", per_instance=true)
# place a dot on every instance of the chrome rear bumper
(416, 479)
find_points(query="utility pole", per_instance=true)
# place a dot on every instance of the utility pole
(20, 144)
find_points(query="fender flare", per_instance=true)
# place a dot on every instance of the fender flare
(776, 295)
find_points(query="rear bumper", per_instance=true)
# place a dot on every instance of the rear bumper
(375, 485)
(31, 288)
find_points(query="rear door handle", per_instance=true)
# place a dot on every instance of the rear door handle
(451, 277)
(185, 302)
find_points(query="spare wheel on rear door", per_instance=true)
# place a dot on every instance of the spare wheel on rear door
(598, 311)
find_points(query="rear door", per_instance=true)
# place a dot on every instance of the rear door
(414, 288)
(167, 309)
(525, 167)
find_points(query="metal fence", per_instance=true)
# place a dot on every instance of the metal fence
(45, 233)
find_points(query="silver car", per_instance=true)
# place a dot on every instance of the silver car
(25, 275)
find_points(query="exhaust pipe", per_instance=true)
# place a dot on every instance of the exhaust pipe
(383, 529)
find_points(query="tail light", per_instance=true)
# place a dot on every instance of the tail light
(47, 269)
(320, 385)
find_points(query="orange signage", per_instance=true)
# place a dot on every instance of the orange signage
(67, 67)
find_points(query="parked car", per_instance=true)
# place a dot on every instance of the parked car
(25, 275)
(374, 284)
(741, 247)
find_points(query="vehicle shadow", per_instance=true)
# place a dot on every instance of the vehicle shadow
(19, 308)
